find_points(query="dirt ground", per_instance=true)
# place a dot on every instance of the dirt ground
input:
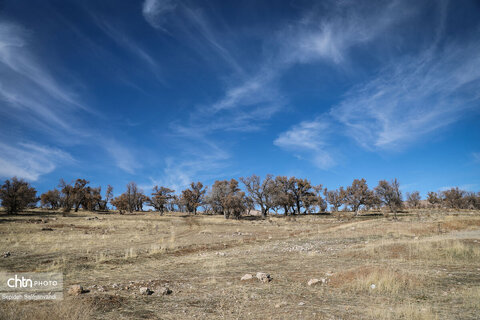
(425, 265)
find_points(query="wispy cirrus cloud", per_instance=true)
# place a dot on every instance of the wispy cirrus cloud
(330, 38)
(22, 64)
(191, 23)
(251, 100)
(155, 11)
(31, 96)
(25, 85)
(199, 159)
(29, 160)
(121, 155)
(122, 39)
(412, 97)
(309, 139)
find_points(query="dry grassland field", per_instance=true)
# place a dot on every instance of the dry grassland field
(425, 265)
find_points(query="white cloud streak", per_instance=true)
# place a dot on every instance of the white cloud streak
(122, 155)
(30, 95)
(30, 161)
(155, 11)
(330, 38)
(412, 97)
(408, 99)
(26, 85)
(309, 139)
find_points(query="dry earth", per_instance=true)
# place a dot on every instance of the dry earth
(426, 265)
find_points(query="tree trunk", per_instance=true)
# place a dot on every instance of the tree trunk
(264, 213)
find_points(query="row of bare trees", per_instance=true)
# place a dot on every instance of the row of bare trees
(286, 195)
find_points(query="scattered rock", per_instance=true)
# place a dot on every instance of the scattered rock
(75, 290)
(247, 276)
(372, 286)
(329, 273)
(47, 229)
(301, 303)
(324, 280)
(115, 286)
(281, 304)
(221, 254)
(91, 218)
(145, 291)
(264, 277)
(162, 291)
(6, 254)
(312, 282)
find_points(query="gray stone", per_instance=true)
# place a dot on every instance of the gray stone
(145, 291)
(312, 282)
(264, 277)
(247, 276)
(162, 291)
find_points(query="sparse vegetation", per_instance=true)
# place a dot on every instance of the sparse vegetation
(366, 265)
(421, 266)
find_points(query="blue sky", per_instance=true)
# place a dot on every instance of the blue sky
(167, 92)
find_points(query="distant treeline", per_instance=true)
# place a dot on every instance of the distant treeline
(286, 195)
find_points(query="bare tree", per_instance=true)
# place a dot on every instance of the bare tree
(51, 198)
(433, 198)
(472, 200)
(249, 204)
(235, 201)
(261, 192)
(16, 195)
(132, 200)
(373, 201)
(92, 199)
(79, 193)
(108, 198)
(160, 198)
(301, 190)
(390, 194)
(121, 203)
(453, 198)
(413, 199)
(217, 197)
(67, 195)
(320, 198)
(336, 198)
(226, 198)
(194, 196)
(132, 195)
(283, 197)
(357, 195)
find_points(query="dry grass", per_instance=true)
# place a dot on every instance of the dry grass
(405, 311)
(67, 309)
(376, 280)
(424, 266)
(442, 249)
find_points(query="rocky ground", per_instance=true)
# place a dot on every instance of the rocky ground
(426, 265)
